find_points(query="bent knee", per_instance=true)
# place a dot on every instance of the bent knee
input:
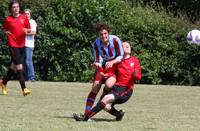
(107, 98)
(107, 107)
(96, 83)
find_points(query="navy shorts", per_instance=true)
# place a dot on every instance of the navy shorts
(17, 55)
(121, 93)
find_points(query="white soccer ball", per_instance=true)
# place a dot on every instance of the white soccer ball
(193, 37)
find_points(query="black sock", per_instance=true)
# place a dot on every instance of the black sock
(6, 78)
(21, 78)
(95, 110)
(113, 111)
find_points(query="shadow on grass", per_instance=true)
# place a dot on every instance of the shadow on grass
(93, 119)
(103, 120)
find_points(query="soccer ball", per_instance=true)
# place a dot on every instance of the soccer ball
(193, 37)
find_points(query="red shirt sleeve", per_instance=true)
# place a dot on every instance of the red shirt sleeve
(137, 70)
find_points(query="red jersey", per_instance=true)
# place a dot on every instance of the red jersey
(125, 72)
(15, 26)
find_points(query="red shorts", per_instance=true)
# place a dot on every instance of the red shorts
(109, 71)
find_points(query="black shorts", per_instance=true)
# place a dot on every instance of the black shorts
(122, 94)
(17, 55)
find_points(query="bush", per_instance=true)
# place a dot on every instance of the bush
(65, 32)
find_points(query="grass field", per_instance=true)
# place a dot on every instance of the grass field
(51, 105)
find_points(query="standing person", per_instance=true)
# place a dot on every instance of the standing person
(29, 47)
(108, 51)
(128, 70)
(15, 27)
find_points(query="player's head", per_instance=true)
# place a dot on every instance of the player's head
(127, 48)
(14, 7)
(103, 31)
(27, 13)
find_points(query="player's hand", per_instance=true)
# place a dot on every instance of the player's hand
(134, 73)
(7, 32)
(109, 64)
(103, 74)
(26, 31)
(95, 65)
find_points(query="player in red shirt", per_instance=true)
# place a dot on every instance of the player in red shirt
(15, 26)
(127, 72)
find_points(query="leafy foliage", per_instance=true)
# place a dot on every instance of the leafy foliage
(189, 8)
(65, 33)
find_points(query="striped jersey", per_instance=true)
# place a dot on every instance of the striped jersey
(104, 53)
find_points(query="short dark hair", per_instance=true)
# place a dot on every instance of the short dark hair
(102, 26)
(11, 4)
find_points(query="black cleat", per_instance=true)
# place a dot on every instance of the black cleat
(120, 116)
(80, 117)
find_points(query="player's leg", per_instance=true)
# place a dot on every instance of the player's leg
(10, 71)
(92, 96)
(110, 80)
(20, 70)
(121, 95)
(9, 74)
(97, 81)
(113, 111)
(99, 106)
(108, 85)
(109, 100)
(5, 80)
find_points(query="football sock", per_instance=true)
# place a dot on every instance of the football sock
(95, 110)
(90, 101)
(10, 72)
(113, 111)
(21, 78)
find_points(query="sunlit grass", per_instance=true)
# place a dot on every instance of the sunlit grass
(51, 105)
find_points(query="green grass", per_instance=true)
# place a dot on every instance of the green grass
(51, 105)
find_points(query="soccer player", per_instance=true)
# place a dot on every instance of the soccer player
(128, 70)
(29, 46)
(15, 27)
(108, 51)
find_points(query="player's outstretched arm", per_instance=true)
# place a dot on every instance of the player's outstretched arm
(137, 75)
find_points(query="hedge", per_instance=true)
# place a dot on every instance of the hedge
(65, 32)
